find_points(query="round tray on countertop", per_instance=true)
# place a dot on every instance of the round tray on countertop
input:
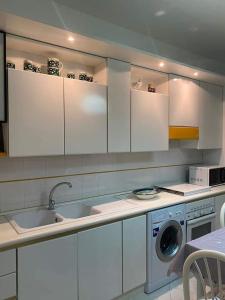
(145, 193)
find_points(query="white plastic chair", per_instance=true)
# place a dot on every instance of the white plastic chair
(222, 216)
(192, 264)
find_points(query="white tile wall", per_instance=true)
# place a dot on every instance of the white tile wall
(26, 182)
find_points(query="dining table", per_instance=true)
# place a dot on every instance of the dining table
(214, 241)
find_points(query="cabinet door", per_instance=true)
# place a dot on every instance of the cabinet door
(118, 106)
(100, 262)
(149, 121)
(7, 262)
(8, 287)
(134, 252)
(48, 270)
(36, 114)
(85, 117)
(219, 201)
(210, 116)
(184, 101)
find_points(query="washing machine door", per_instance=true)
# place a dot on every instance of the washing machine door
(169, 240)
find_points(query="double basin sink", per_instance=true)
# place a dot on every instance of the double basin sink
(43, 218)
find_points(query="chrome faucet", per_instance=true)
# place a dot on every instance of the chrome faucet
(51, 203)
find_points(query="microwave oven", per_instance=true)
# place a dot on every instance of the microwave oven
(207, 175)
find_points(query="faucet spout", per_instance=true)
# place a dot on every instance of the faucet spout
(51, 202)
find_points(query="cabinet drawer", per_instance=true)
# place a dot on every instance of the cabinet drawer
(8, 286)
(7, 262)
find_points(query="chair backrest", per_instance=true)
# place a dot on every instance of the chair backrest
(200, 263)
(222, 216)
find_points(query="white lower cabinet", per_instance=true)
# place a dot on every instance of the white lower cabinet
(48, 270)
(7, 274)
(8, 286)
(100, 262)
(134, 253)
(7, 262)
(97, 264)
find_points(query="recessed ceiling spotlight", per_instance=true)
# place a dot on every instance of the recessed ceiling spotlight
(160, 13)
(194, 29)
(195, 73)
(161, 64)
(70, 38)
(175, 79)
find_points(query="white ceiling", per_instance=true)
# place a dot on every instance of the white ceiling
(194, 25)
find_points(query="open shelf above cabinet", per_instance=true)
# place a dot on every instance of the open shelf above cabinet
(142, 78)
(20, 49)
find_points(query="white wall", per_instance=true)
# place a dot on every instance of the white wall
(26, 182)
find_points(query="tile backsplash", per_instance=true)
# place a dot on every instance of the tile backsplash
(26, 182)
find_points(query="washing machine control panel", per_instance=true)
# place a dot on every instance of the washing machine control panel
(176, 212)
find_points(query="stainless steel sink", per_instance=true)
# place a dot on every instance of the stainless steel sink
(33, 220)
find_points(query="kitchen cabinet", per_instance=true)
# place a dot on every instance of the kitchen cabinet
(48, 270)
(8, 286)
(119, 74)
(36, 114)
(7, 262)
(184, 101)
(7, 274)
(85, 117)
(219, 201)
(134, 252)
(210, 116)
(149, 121)
(100, 262)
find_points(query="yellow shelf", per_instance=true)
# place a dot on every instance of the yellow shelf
(183, 133)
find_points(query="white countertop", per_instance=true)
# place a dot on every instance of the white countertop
(110, 212)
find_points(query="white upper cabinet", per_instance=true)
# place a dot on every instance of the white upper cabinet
(184, 101)
(149, 121)
(85, 117)
(210, 116)
(36, 114)
(118, 106)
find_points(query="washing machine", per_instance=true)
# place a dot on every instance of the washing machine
(166, 234)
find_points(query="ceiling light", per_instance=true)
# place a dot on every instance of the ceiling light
(194, 29)
(70, 38)
(195, 73)
(175, 79)
(160, 13)
(161, 64)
